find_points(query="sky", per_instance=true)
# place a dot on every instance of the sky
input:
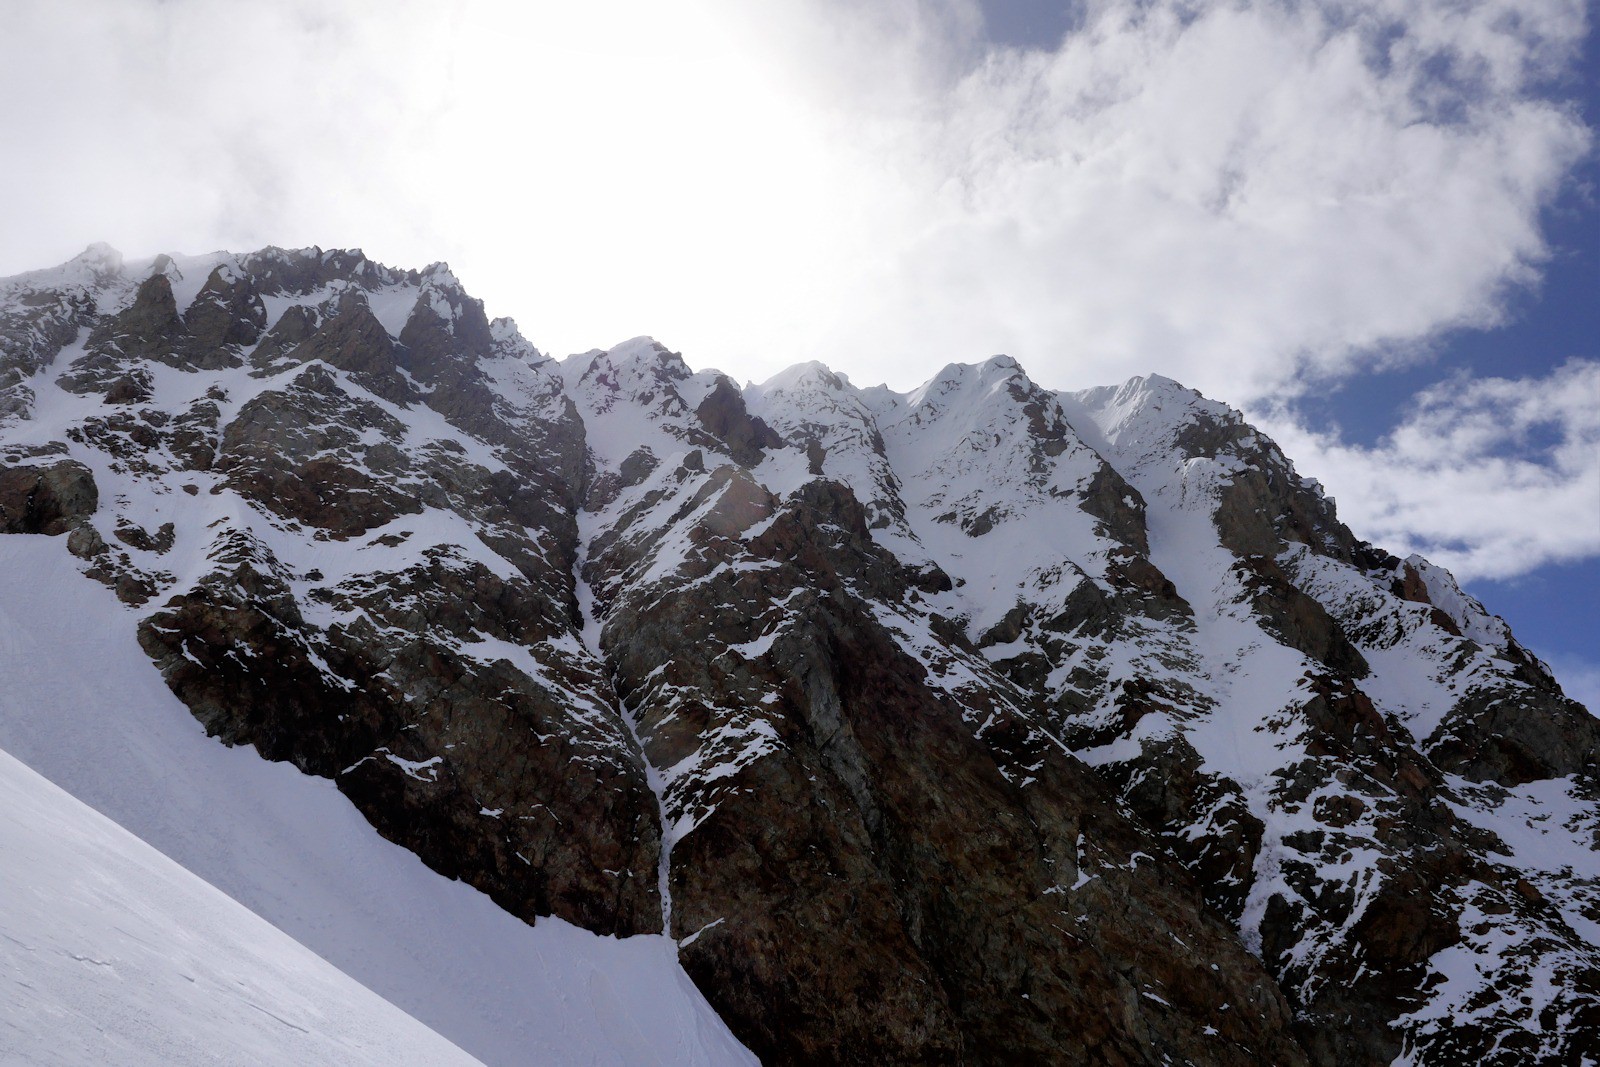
(1372, 225)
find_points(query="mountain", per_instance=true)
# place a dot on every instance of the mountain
(291, 849)
(984, 723)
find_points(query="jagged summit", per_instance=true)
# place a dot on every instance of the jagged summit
(929, 723)
(812, 373)
(99, 259)
(971, 380)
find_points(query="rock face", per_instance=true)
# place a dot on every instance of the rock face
(979, 724)
(46, 499)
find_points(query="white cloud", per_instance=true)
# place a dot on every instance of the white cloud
(1256, 197)
(1236, 194)
(1490, 477)
(1242, 196)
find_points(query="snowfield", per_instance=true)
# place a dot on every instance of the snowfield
(114, 954)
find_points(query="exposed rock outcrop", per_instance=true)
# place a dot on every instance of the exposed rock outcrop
(977, 724)
(50, 499)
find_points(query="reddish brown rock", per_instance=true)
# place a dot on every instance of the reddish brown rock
(46, 499)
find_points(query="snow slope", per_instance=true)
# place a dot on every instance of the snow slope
(85, 707)
(115, 954)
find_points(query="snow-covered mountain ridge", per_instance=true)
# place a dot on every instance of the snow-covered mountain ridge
(979, 723)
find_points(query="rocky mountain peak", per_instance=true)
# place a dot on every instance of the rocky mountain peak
(439, 273)
(1149, 413)
(979, 723)
(510, 343)
(100, 259)
(96, 268)
(803, 376)
(966, 384)
(640, 363)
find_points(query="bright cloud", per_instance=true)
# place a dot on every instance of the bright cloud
(1489, 477)
(1255, 197)
(1247, 197)
(1240, 195)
